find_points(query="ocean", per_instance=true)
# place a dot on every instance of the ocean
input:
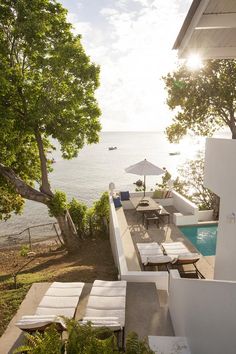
(88, 176)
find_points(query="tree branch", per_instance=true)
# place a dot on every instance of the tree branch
(21, 187)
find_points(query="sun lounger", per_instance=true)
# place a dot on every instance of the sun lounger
(151, 254)
(106, 306)
(61, 299)
(181, 255)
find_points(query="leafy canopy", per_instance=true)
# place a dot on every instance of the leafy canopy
(47, 84)
(205, 100)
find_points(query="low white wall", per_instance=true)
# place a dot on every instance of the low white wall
(165, 202)
(159, 278)
(183, 205)
(187, 211)
(180, 219)
(205, 215)
(204, 311)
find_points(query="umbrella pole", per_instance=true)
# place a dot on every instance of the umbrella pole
(144, 186)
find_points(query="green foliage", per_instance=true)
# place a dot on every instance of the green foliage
(47, 85)
(81, 339)
(10, 301)
(91, 221)
(101, 214)
(84, 339)
(190, 184)
(24, 250)
(78, 212)
(136, 346)
(9, 200)
(40, 343)
(205, 99)
(58, 204)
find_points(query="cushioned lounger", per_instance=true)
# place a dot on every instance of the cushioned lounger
(61, 299)
(152, 254)
(181, 255)
(106, 305)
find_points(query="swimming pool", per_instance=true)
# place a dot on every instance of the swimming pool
(202, 237)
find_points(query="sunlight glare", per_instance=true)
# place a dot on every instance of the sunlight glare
(194, 62)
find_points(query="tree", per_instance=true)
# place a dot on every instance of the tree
(205, 99)
(47, 86)
(190, 184)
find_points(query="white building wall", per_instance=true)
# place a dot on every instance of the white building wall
(220, 177)
(204, 311)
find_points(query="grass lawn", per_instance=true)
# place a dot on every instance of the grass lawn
(93, 261)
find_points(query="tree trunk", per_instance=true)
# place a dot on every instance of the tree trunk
(68, 232)
(216, 206)
(65, 222)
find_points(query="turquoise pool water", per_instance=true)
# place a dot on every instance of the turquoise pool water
(202, 237)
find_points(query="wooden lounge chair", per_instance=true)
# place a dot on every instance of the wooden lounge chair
(106, 306)
(61, 299)
(181, 256)
(151, 254)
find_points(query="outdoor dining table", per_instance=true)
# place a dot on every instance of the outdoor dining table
(151, 206)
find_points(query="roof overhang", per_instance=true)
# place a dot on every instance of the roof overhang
(209, 30)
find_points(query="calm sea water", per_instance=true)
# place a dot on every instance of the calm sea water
(87, 176)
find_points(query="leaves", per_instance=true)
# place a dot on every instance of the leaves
(205, 100)
(47, 84)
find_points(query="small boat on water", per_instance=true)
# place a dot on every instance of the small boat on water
(112, 148)
(174, 153)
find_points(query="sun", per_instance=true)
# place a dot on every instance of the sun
(194, 62)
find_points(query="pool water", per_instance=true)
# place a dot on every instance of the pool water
(202, 237)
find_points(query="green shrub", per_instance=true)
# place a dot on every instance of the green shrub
(136, 346)
(158, 194)
(58, 204)
(78, 213)
(24, 250)
(81, 339)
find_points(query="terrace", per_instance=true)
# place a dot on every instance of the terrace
(146, 312)
(127, 230)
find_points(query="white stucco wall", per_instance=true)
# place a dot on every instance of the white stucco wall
(204, 311)
(220, 177)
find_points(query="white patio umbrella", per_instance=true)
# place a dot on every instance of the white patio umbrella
(144, 168)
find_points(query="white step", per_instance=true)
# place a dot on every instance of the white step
(169, 345)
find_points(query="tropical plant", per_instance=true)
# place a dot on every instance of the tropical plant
(47, 86)
(136, 346)
(205, 99)
(81, 339)
(78, 212)
(101, 214)
(92, 221)
(41, 343)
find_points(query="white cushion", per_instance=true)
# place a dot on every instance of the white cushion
(111, 322)
(67, 285)
(59, 301)
(157, 259)
(34, 322)
(66, 311)
(189, 256)
(116, 284)
(106, 302)
(119, 313)
(107, 291)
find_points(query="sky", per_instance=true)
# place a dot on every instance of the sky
(131, 40)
